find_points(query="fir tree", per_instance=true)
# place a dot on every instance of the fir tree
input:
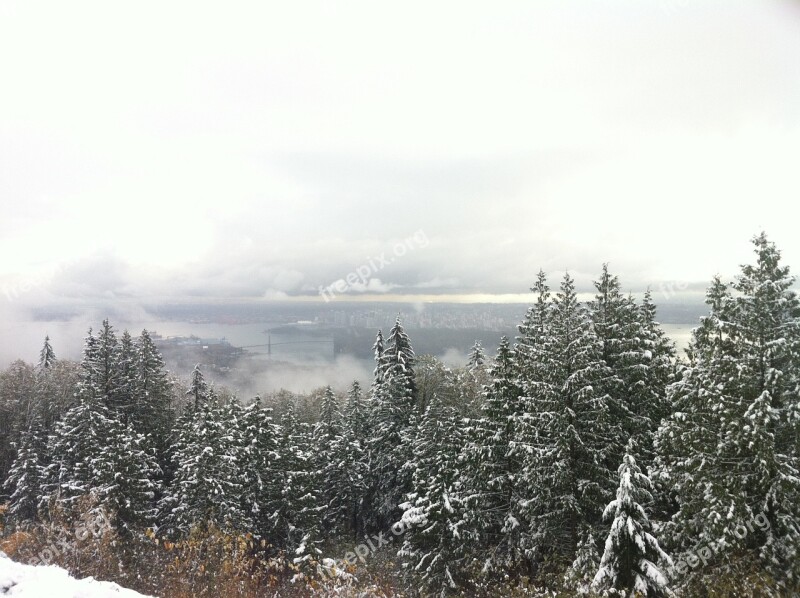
(355, 413)
(491, 470)
(433, 546)
(565, 434)
(730, 452)
(327, 439)
(349, 463)
(632, 554)
(152, 413)
(378, 349)
(616, 323)
(259, 466)
(130, 495)
(107, 366)
(47, 356)
(328, 426)
(392, 417)
(581, 573)
(95, 455)
(198, 388)
(400, 359)
(206, 488)
(477, 358)
(295, 521)
(123, 398)
(24, 482)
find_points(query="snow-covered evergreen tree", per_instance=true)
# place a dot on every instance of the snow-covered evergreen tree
(730, 452)
(327, 442)
(123, 399)
(378, 349)
(130, 495)
(564, 435)
(106, 363)
(355, 413)
(393, 404)
(198, 388)
(92, 453)
(581, 572)
(686, 443)
(47, 357)
(77, 447)
(24, 482)
(490, 471)
(152, 413)
(329, 424)
(477, 357)
(434, 550)
(660, 359)
(400, 359)
(91, 442)
(206, 488)
(259, 465)
(296, 519)
(349, 462)
(632, 557)
(618, 327)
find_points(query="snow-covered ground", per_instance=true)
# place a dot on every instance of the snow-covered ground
(27, 581)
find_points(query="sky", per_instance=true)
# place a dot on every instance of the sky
(429, 150)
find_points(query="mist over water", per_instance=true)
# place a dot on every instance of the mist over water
(277, 354)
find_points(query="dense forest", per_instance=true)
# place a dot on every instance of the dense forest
(585, 457)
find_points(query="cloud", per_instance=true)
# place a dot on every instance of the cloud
(265, 151)
(274, 295)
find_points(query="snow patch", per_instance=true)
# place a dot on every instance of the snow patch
(28, 581)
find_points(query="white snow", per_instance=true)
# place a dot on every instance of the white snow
(28, 581)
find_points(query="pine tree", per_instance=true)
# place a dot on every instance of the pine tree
(433, 546)
(259, 466)
(47, 356)
(580, 574)
(107, 366)
(491, 470)
(206, 489)
(618, 327)
(94, 455)
(355, 413)
(24, 482)
(632, 554)
(198, 388)
(296, 519)
(730, 452)
(123, 398)
(565, 434)
(392, 416)
(349, 462)
(477, 358)
(327, 439)
(152, 413)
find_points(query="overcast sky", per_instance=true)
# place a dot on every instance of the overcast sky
(183, 150)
